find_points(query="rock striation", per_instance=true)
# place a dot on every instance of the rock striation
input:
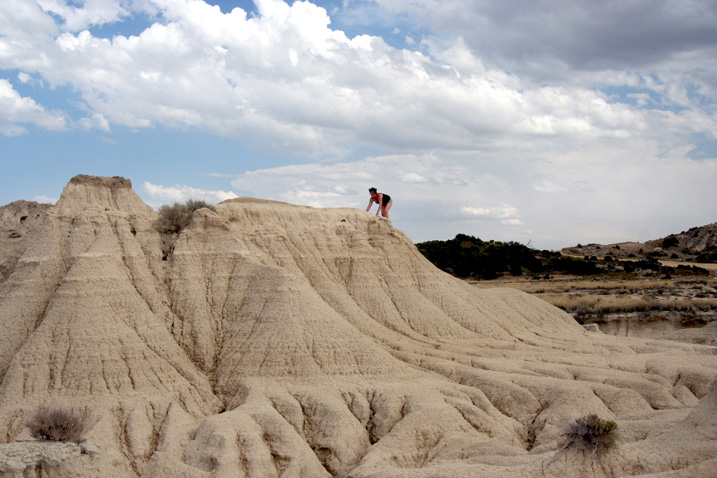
(287, 341)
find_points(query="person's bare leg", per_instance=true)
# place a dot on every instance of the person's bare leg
(386, 208)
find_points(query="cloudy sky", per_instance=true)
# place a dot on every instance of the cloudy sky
(544, 122)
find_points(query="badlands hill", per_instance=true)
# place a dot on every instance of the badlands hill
(696, 244)
(286, 341)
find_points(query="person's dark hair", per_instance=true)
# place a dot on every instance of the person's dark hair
(372, 190)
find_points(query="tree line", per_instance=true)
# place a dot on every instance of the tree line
(470, 257)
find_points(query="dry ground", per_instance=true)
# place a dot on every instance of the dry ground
(680, 308)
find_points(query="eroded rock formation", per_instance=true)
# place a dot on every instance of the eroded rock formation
(287, 341)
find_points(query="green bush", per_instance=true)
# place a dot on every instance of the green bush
(172, 219)
(57, 424)
(670, 241)
(468, 256)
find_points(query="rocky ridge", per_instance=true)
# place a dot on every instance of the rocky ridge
(283, 341)
(697, 244)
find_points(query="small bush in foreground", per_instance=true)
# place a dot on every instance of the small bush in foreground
(57, 424)
(591, 434)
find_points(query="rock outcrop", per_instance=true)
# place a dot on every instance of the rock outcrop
(286, 341)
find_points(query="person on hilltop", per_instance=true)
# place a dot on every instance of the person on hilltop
(383, 200)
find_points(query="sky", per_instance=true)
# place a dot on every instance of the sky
(543, 122)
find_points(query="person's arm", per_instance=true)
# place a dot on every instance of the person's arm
(370, 202)
(380, 203)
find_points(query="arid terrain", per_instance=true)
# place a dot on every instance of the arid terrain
(697, 244)
(675, 308)
(265, 339)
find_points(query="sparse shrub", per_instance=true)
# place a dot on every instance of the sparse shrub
(172, 219)
(588, 434)
(57, 424)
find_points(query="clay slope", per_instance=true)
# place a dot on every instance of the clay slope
(278, 340)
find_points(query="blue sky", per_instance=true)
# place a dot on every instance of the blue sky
(548, 123)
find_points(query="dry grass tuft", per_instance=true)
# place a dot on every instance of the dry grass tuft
(57, 424)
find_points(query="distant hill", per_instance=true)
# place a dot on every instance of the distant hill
(697, 244)
(470, 257)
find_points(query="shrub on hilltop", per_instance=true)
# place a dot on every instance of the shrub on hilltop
(172, 219)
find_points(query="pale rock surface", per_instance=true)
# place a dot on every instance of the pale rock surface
(287, 341)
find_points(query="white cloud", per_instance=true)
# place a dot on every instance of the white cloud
(613, 196)
(44, 199)
(27, 79)
(285, 81)
(91, 12)
(506, 212)
(96, 121)
(512, 222)
(548, 186)
(158, 194)
(552, 129)
(413, 178)
(16, 110)
(475, 211)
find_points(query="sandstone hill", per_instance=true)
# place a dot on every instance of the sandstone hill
(285, 341)
(697, 244)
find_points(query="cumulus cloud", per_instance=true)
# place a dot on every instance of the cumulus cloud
(413, 178)
(549, 41)
(16, 110)
(158, 194)
(91, 12)
(608, 198)
(475, 211)
(284, 80)
(512, 222)
(581, 119)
